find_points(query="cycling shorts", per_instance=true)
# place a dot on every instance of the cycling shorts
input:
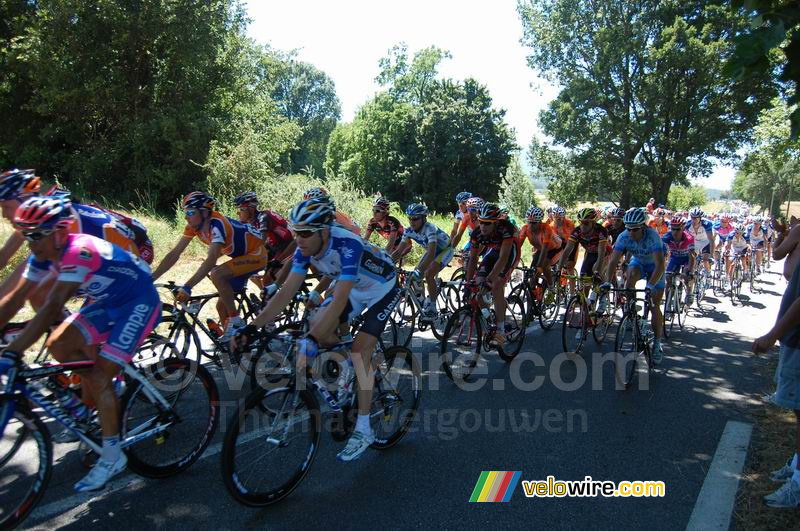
(645, 270)
(677, 263)
(589, 259)
(243, 267)
(706, 249)
(759, 245)
(552, 254)
(119, 329)
(378, 307)
(443, 256)
(489, 260)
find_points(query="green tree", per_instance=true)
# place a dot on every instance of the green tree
(686, 197)
(517, 191)
(643, 98)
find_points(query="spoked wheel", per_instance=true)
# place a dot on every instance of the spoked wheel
(574, 326)
(189, 425)
(395, 401)
(26, 463)
(603, 322)
(550, 307)
(270, 444)
(683, 308)
(736, 284)
(670, 312)
(461, 345)
(404, 316)
(625, 352)
(515, 327)
(176, 330)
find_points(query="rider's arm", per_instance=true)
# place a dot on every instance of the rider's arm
(46, 315)
(691, 261)
(289, 251)
(612, 265)
(457, 238)
(323, 284)
(390, 241)
(472, 263)
(711, 241)
(368, 233)
(171, 257)
(453, 231)
(787, 244)
(397, 253)
(330, 318)
(281, 299)
(9, 249)
(214, 252)
(430, 254)
(567, 252)
(505, 252)
(13, 301)
(658, 272)
(601, 256)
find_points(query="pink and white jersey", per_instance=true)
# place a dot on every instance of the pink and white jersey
(106, 273)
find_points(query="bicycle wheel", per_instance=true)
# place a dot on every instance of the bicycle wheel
(176, 330)
(458, 275)
(190, 423)
(603, 322)
(27, 463)
(395, 397)
(462, 343)
(736, 283)
(669, 310)
(625, 352)
(550, 306)
(404, 317)
(270, 444)
(683, 308)
(155, 349)
(751, 277)
(574, 326)
(515, 327)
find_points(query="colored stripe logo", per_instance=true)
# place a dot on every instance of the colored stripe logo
(494, 486)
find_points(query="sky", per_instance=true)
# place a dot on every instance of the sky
(345, 39)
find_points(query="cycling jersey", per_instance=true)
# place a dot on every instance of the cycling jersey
(503, 231)
(237, 238)
(589, 241)
(101, 224)
(756, 236)
(662, 229)
(390, 225)
(642, 250)
(467, 221)
(274, 230)
(700, 235)
(544, 237)
(738, 244)
(679, 249)
(348, 257)
(427, 233)
(140, 237)
(723, 232)
(564, 231)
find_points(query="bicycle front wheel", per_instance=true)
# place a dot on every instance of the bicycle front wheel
(270, 444)
(188, 426)
(462, 343)
(26, 455)
(626, 351)
(396, 396)
(669, 311)
(574, 326)
(551, 304)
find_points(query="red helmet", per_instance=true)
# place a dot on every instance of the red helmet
(45, 214)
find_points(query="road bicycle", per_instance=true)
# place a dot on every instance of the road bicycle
(168, 415)
(737, 276)
(582, 316)
(472, 327)
(634, 337)
(273, 437)
(541, 302)
(675, 305)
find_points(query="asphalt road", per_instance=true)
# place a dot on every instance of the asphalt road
(668, 432)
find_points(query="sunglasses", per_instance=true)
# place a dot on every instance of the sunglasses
(414, 218)
(189, 212)
(377, 211)
(487, 222)
(244, 207)
(676, 229)
(533, 222)
(33, 236)
(305, 234)
(633, 229)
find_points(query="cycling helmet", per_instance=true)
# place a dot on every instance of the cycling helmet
(587, 214)
(696, 212)
(475, 203)
(18, 184)
(46, 214)
(416, 209)
(311, 214)
(617, 212)
(199, 200)
(490, 212)
(316, 193)
(725, 217)
(635, 217)
(738, 228)
(381, 203)
(462, 196)
(559, 211)
(246, 198)
(534, 214)
(677, 221)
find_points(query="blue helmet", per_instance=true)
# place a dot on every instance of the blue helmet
(18, 184)
(311, 214)
(635, 217)
(417, 209)
(462, 196)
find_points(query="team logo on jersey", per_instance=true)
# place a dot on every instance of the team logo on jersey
(96, 285)
(85, 253)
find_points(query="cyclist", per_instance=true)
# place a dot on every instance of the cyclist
(340, 218)
(458, 217)
(701, 230)
(365, 283)
(564, 229)
(647, 263)
(739, 242)
(757, 236)
(658, 222)
(681, 254)
(122, 308)
(387, 226)
(223, 236)
(592, 237)
(438, 252)
(499, 239)
(545, 243)
(469, 220)
(273, 227)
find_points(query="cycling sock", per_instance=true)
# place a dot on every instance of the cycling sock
(362, 424)
(111, 449)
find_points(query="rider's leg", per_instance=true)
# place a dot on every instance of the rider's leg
(221, 278)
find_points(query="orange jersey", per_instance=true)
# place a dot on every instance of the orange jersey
(662, 230)
(545, 237)
(236, 238)
(345, 221)
(565, 230)
(467, 221)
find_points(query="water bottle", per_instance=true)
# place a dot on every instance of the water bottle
(486, 313)
(644, 329)
(71, 402)
(193, 308)
(592, 298)
(214, 327)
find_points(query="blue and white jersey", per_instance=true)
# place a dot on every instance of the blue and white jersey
(348, 257)
(738, 244)
(700, 234)
(427, 234)
(642, 250)
(756, 236)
